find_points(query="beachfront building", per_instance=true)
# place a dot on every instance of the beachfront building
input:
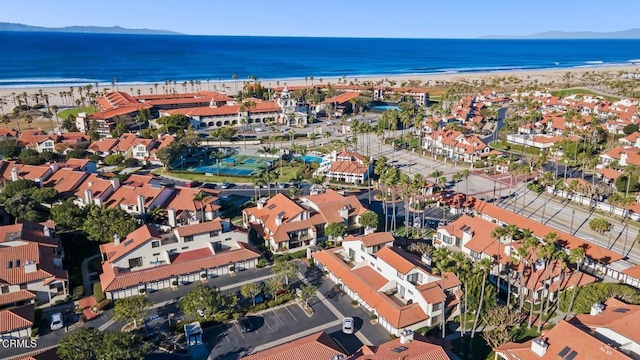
(116, 104)
(147, 260)
(250, 114)
(396, 94)
(346, 166)
(396, 286)
(295, 112)
(286, 225)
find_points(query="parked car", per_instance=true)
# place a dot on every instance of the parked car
(225, 185)
(56, 321)
(347, 325)
(192, 184)
(245, 324)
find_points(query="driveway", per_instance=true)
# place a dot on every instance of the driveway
(271, 327)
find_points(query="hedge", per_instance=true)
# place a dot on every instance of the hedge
(98, 294)
(597, 293)
(37, 319)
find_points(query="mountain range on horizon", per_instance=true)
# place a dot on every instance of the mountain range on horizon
(4, 26)
(556, 34)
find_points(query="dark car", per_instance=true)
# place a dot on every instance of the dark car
(245, 324)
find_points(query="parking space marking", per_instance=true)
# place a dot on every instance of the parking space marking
(240, 331)
(294, 318)
(278, 316)
(266, 322)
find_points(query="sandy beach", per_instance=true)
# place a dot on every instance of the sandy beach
(541, 75)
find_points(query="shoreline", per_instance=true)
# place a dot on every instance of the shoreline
(542, 75)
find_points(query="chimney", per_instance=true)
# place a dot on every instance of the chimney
(115, 183)
(116, 239)
(30, 267)
(279, 218)
(261, 203)
(88, 196)
(54, 166)
(171, 217)
(344, 212)
(596, 309)
(426, 259)
(539, 346)
(14, 174)
(46, 231)
(406, 336)
(141, 208)
(337, 357)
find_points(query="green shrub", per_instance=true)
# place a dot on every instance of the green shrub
(37, 319)
(299, 254)
(597, 293)
(98, 294)
(260, 307)
(102, 304)
(77, 293)
(222, 316)
(261, 263)
(280, 300)
(282, 257)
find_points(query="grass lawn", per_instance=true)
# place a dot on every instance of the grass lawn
(567, 92)
(203, 177)
(473, 349)
(75, 111)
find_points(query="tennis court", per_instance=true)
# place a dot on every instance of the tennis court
(235, 165)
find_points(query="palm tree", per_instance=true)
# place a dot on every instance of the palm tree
(576, 256)
(28, 119)
(483, 265)
(545, 252)
(441, 268)
(462, 267)
(201, 197)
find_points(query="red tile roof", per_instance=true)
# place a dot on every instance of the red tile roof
(417, 349)
(342, 98)
(15, 297)
(65, 180)
(372, 239)
(398, 316)
(348, 167)
(563, 335)
(112, 280)
(29, 172)
(570, 242)
(199, 228)
(42, 354)
(317, 346)
(16, 318)
(135, 239)
(617, 316)
(41, 255)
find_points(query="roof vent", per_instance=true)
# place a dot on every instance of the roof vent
(596, 309)
(539, 346)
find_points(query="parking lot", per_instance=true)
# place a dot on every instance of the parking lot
(226, 341)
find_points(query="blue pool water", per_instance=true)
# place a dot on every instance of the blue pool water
(310, 159)
(385, 107)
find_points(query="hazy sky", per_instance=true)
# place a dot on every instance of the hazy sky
(342, 18)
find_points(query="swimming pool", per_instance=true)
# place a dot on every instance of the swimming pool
(385, 107)
(310, 159)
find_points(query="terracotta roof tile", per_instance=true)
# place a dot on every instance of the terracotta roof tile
(417, 349)
(65, 180)
(317, 346)
(17, 296)
(16, 318)
(199, 228)
(42, 354)
(111, 280)
(372, 239)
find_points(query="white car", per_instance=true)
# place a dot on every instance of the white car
(225, 186)
(347, 325)
(56, 321)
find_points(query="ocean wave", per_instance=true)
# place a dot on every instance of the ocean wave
(48, 80)
(634, 61)
(594, 62)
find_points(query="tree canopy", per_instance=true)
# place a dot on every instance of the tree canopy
(80, 344)
(369, 220)
(87, 343)
(68, 215)
(131, 309)
(203, 298)
(101, 224)
(335, 230)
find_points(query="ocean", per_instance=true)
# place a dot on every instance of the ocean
(63, 59)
